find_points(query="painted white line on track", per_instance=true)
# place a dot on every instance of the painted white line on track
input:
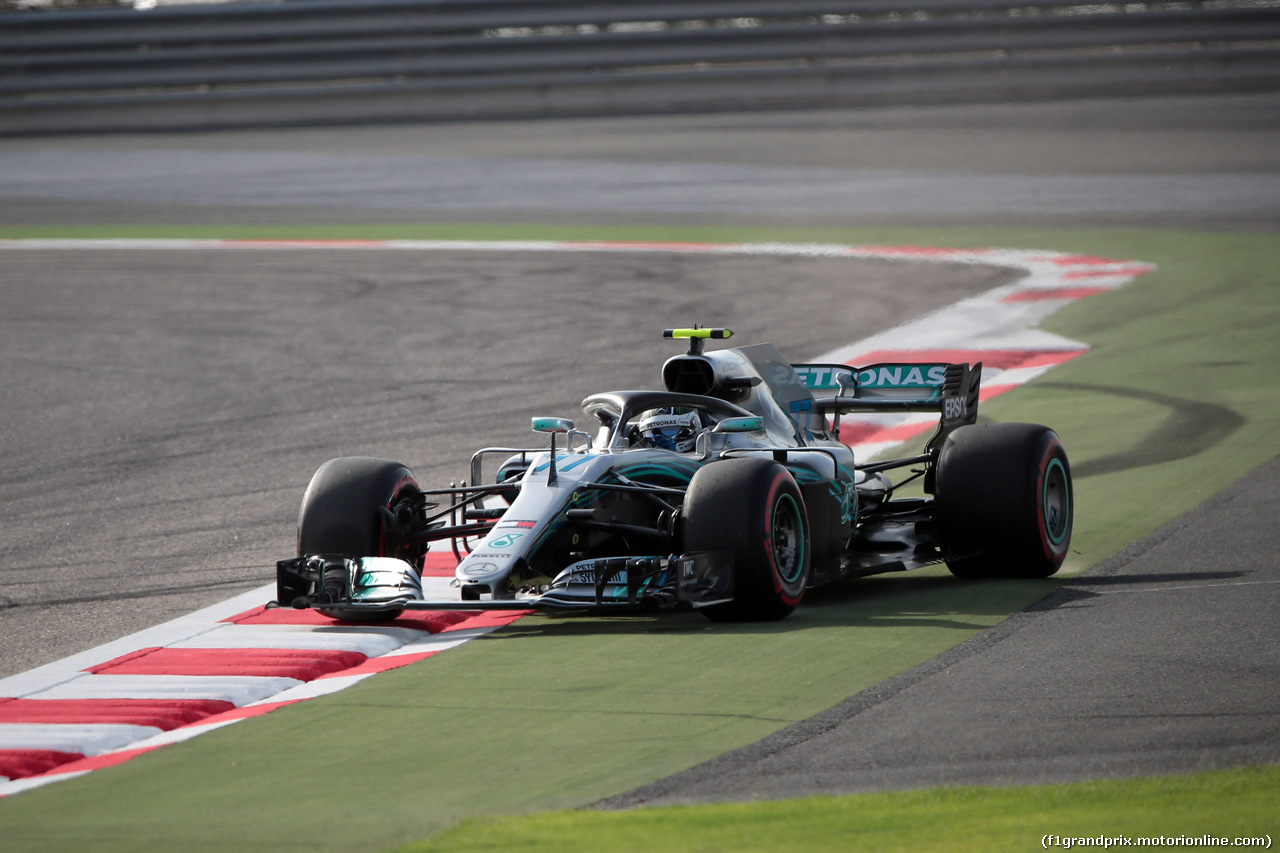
(999, 328)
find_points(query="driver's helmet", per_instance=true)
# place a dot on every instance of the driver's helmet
(670, 428)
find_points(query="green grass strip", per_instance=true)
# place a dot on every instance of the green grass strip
(1230, 804)
(1174, 402)
(554, 712)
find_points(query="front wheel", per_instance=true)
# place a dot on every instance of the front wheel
(1004, 501)
(342, 513)
(751, 507)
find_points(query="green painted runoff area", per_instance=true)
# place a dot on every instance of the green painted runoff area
(1233, 804)
(1175, 401)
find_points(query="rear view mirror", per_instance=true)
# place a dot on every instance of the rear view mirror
(751, 424)
(557, 426)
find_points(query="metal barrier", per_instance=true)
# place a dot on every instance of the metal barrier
(344, 61)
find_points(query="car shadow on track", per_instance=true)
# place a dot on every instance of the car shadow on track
(915, 600)
(926, 600)
(1079, 591)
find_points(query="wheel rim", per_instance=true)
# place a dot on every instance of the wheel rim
(1055, 502)
(787, 541)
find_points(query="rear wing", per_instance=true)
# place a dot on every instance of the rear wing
(895, 388)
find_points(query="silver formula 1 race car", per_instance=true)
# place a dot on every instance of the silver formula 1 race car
(729, 491)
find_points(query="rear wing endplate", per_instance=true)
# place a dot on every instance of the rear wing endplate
(894, 388)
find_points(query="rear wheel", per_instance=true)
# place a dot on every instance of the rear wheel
(1004, 501)
(751, 507)
(342, 513)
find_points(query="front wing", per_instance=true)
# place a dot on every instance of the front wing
(349, 587)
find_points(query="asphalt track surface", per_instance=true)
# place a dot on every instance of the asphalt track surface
(164, 410)
(1207, 163)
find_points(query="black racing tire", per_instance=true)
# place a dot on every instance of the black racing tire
(341, 513)
(752, 508)
(1004, 501)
